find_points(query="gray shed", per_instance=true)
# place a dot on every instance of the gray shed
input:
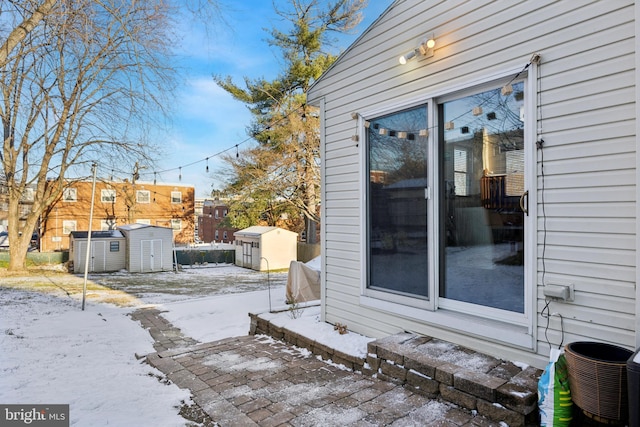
(107, 251)
(265, 248)
(149, 248)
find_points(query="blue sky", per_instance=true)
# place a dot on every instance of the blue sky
(207, 120)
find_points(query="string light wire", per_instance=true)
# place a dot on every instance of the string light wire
(221, 152)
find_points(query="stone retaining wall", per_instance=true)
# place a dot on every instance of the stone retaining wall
(497, 389)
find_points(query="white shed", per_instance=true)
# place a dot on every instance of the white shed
(265, 248)
(107, 251)
(149, 248)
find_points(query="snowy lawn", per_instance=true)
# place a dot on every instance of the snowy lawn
(52, 352)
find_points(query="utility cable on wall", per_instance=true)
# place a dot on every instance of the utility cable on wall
(545, 312)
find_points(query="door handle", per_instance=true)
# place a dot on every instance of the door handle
(525, 203)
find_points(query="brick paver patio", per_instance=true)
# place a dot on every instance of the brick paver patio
(257, 380)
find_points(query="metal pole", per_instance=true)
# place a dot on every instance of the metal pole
(268, 282)
(88, 254)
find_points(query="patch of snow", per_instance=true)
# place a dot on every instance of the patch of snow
(315, 264)
(232, 362)
(309, 325)
(54, 353)
(518, 394)
(420, 374)
(221, 316)
(337, 365)
(521, 365)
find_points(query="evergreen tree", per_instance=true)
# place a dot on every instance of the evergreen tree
(281, 175)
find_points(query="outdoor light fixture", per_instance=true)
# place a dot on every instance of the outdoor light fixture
(407, 57)
(426, 46)
(424, 49)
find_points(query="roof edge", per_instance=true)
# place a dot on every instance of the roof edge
(348, 49)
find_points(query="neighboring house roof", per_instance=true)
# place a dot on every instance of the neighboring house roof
(104, 234)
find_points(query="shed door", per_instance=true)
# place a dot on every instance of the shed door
(151, 255)
(246, 254)
(97, 258)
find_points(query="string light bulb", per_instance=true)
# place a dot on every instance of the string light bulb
(207, 169)
(180, 176)
(154, 177)
(506, 90)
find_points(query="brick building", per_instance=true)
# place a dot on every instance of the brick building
(210, 227)
(117, 203)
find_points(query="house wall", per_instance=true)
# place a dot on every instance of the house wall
(126, 209)
(585, 106)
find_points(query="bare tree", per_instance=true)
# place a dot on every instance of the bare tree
(80, 81)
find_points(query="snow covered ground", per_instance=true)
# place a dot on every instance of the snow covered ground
(52, 352)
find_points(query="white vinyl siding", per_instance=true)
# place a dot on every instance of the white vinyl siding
(586, 117)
